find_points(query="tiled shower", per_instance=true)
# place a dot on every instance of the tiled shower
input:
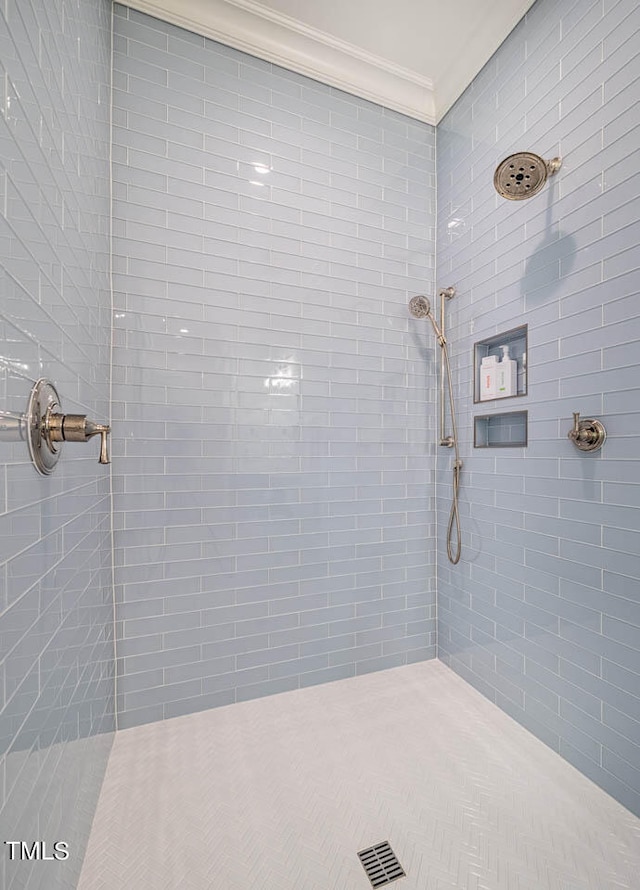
(279, 500)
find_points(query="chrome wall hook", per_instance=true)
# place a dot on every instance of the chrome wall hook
(587, 435)
(48, 428)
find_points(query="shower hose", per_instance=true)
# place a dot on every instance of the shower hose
(454, 513)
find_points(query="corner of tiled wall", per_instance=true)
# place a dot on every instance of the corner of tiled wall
(56, 600)
(542, 614)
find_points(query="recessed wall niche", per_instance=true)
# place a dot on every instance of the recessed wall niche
(515, 342)
(507, 430)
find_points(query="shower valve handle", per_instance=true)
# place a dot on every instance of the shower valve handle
(587, 435)
(574, 433)
(76, 428)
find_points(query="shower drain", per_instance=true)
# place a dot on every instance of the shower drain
(380, 864)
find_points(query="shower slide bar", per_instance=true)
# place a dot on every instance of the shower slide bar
(445, 294)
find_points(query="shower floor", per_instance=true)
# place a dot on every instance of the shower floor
(281, 793)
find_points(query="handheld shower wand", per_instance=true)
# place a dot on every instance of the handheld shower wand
(420, 307)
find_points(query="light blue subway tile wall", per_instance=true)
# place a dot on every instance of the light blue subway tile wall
(274, 491)
(56, 593)
(543, 612)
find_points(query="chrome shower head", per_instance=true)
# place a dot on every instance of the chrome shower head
(419, 307)
(523, 174)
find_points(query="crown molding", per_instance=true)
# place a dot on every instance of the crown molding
(250, 27)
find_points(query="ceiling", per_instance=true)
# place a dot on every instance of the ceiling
(414, 56)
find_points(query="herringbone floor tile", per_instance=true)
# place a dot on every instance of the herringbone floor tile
(280, 794)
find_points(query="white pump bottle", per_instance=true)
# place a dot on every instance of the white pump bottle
(507, 375)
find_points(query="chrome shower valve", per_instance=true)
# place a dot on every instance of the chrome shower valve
(587, 435)
(48, 427)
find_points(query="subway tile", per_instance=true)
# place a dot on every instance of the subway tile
(626, 726)
(198, 703)
(160, 695)
(327, 675)
(626, 772)
(140, 716)
(199, 669)
(268, 687)
(380, 663)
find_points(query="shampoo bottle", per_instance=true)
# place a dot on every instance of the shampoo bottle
(489, 377)
(507, 375)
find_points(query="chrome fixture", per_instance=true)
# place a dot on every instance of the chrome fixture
(420, 307)
(445, 295)
(523, 174)
(47, 428)
(587, 435)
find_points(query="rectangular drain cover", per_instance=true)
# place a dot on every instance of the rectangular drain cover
(381, 864)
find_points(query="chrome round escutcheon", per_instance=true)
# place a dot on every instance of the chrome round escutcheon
(43, 401)
(591, 435)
